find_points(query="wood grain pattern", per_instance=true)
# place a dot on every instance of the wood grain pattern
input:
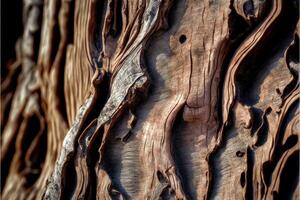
(152, 99)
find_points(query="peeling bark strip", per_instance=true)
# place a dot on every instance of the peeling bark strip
(53, 188)
(153, 99)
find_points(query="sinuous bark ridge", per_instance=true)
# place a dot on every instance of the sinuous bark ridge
(152, 99)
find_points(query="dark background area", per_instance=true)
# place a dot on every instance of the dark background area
(11, 29)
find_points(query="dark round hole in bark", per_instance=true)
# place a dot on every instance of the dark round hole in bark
(182, 39)
(239, 154)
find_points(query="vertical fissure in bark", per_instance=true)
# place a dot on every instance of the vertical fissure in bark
(56, 32)
(98, 101)
(97, 21)
(289, 176)
(183, 156)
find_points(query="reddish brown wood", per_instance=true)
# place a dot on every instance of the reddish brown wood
(152, 99)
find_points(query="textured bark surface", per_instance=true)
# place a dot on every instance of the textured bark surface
(150, 99)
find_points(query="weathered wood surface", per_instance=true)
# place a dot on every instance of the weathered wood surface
(152, 99)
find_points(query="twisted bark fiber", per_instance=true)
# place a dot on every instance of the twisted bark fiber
(151, 99)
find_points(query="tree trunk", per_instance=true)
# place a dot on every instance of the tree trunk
(150, 99)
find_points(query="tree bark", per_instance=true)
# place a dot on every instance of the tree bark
(151, 99)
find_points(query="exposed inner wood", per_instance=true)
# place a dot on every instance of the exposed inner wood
(152, 99)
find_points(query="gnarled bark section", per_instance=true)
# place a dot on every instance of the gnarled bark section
(153, 99)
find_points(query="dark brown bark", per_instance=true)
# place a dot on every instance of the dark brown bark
(151, 99)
